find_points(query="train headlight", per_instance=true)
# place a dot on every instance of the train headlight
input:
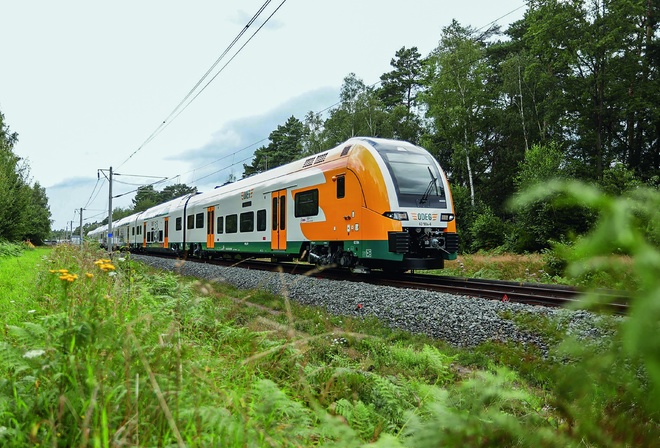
(446, 217)
(399, 216)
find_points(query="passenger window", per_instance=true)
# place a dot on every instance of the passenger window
(178, 223)
(307, 203)
(275, 213)
(191, 222)
(220, 226)
(261, 220)
(247, 222)
(199, 218)
(231, 225)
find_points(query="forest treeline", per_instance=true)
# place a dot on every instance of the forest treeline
(571, 90)
(24, 211)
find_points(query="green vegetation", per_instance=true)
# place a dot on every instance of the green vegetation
(107, 352)
(24, 211)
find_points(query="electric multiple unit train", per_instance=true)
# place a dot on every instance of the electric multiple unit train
(368, 203)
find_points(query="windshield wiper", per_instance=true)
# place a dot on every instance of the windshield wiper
(425, 196)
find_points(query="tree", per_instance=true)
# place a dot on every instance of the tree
(14, 197)
(146, 197)
(398, 93)
(286, 145)
(400, 86)
(38, 215)
(360, 113)
(175, 191)
(539, 223)
(598, 61)
(313, 141)
(456, 100)
(24, 210)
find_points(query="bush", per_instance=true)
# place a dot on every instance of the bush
(488, 231)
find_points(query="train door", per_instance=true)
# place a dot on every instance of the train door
(166, 241)
(144, 234)
(278, 221)
(210, 227)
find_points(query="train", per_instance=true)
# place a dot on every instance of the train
(368, 203)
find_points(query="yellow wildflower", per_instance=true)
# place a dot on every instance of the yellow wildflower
(89, 275)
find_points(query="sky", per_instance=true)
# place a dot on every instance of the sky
(92, 85)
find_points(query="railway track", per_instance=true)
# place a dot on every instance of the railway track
(506, 291)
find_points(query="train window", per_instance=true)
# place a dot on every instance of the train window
(178, 223)
(231, 224)
(341, 187)
(247, 222)
(132, 230)
(148, 237)
(282, 212)
(160, 235)
(307, 203)
(261, 220)
(199, 220)
(274, 213)
(220, 226)
(191, 222)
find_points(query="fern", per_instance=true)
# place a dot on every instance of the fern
(275, 413)
(387, 397)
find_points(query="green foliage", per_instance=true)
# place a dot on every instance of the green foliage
(488, 231)
(488, 410)
(286, 145)
(10, 249)
(538, 223)
(147, 197)
(398, 92)
(620, 230)
(147, 358)
(359, 113)
(24, 212)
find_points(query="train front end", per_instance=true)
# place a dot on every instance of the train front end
(424, 234)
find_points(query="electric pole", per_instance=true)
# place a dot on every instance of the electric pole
(81, 229)
(110, 213)
(109, 177)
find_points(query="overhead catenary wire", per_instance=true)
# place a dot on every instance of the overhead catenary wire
(489, 25)
(228, 62)
(177, 110)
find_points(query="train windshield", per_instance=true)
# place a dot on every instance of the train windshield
(416, 177)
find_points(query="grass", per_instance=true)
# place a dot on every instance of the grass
(18, 275)
(541, 268)
(528, 267)
(117, 354)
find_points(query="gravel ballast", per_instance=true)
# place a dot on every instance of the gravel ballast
(459, 320)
